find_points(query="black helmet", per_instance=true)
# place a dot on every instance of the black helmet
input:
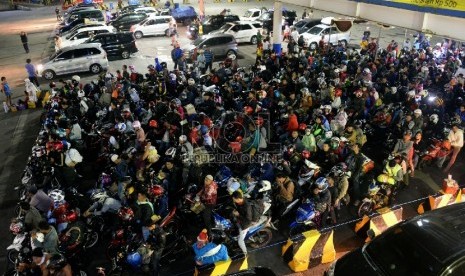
(56, 262)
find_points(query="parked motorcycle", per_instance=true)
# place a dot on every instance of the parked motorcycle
(379, 196)
(307, 218)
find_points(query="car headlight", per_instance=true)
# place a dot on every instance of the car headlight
(40, 67)
(331, 269)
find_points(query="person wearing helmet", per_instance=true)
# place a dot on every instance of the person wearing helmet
(208, 195)
(50, 242)
(285, 192)
(186, 153)
(208, 252)
(247, 213)
(405, 146)
(392, 173)
(338, 182)
(75, 132)
(103, 204)
(434, 127)
(417, 120)
(308, 141)
(140, 134)
(157, 242)
(321, 197)
(456, 140)
(143, 213)
(325, 158)
(57, 265)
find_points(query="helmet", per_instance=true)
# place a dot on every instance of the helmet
(156, 190)
(16, 227)
(126, 213)
(304, 91)
(153, 123)
(456, 120)
(373, 188)
(322, 184)
(259, 121)
(134, 259)
(328, 134)
(306, 154)
(233, 185)
(105, 179)
(248, 110)
(191, 81)
(58, 196)
(56, 262)
(182, 139)
(176, 101)
(136, 124)
(99, 195)
(262, 94)
(204, 129)
(417, 112)
(434, 118)
(366, 71)
(171, 152)
(121, 127)
(383, 178)
(335, 142)
(266, 186)
(302, 126)
(76, 78)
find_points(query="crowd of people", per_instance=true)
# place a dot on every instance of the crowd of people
(301, 120)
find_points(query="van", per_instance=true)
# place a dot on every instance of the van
(91, 14)
(79, 58)
(121, 44)
(153, 25)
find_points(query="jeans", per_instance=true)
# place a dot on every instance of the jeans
(241, 239)
(145, 232)
(207, 217)
(455, 152)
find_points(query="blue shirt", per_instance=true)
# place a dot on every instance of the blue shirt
(7, 89)
(208, 56)
(31, 70)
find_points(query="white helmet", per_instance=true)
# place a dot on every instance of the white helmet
(99, 195)
(58, 196)
(76, 78)
(417, 111)
(434, 118)
(182, 139)
(266, 186)
(136, 124)
(81, 93)
(366, 71)
(121, 127)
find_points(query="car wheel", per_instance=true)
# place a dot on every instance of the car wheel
(254, 40)
(231, 54)
(48, 75)
(187, 22)
(125, 54)
(344, 43)
(95, 68)
(138, 35)
(313, 46)
(167, 33)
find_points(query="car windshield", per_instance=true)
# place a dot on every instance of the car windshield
(397, 252)
(248, 13)
(266, 16)
(71, 35)
(300, 24)
(225, 28)
(198, 41)
(315, 30)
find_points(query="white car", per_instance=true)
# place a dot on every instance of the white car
(81, 35)
(80, 58)
(251, 15)
(153, 25)
(243, 31)
(331, 35)
(147, 10)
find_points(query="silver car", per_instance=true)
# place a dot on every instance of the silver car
(220, 44)
(79, 58)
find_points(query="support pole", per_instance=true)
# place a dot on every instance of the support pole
(277, 28)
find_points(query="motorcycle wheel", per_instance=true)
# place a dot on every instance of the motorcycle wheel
(12, 255)
(365, 208)
(262, 238)
(92, 239)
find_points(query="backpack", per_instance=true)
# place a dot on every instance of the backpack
(257, 209)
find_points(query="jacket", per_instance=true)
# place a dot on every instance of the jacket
(144, 212)
(32, 219)
(208, 195)
(157, 240)
(50, 242)
(245, 214)
(210, 253)
(286, 191)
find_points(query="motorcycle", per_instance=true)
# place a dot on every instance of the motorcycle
(307, 218)
(24, 256)
(378, 196)
(257, 236)
(437, 149)
(193, 32)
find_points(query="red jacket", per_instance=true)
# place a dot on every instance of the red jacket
(293, 123)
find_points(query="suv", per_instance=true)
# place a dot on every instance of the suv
(121, 44)
(125, 21)
(219, 44)
(429, 244)
(81, 35)
(251, 14)
(80, 26)
(242, 31)
(331, 35)
(215, 22)
(267, 19)
(153, 25)
(73, 59)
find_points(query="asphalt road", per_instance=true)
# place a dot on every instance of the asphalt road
(18, 130)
